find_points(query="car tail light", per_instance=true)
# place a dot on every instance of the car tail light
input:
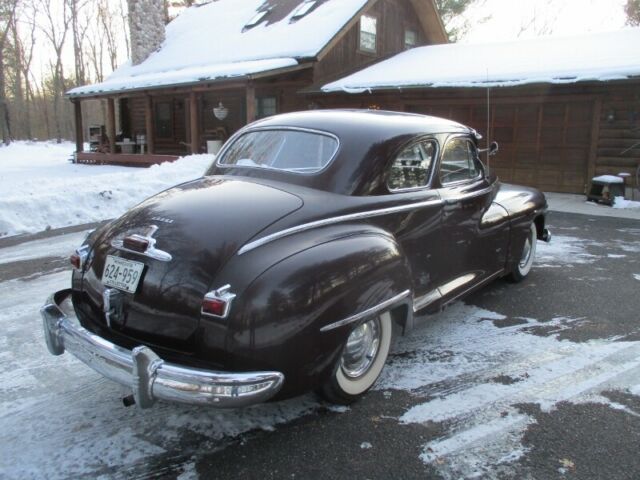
(135, 242)
(217, 303)
(79, 258)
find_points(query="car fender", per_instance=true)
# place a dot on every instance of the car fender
(289, 317)
(524, 206)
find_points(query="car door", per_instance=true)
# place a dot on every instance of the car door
(418, 232)
(474, 228)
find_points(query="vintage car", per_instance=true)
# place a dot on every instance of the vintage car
(289, 265)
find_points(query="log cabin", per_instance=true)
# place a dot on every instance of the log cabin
(222, 64)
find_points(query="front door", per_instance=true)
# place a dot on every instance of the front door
(473, 251)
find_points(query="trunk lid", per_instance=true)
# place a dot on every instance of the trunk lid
(201, 225)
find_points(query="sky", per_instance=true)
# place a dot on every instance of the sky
(512, 19)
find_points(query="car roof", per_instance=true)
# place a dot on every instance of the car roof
(381, 121)
(368, 140)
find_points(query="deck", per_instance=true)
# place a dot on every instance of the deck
(124, 159)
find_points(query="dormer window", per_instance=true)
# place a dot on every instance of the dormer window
(410, 39)
(368, 34)
(303, 9)
(256, 19)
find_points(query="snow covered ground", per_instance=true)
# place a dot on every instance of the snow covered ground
(40, 188)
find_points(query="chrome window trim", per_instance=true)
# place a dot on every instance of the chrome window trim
(239, 134)
(368, 312)
(466, 180)
(432, 167)
(332, 220)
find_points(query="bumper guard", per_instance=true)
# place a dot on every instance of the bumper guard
(149, 376)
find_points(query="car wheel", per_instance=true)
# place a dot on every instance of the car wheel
(361, 362)
(523, 267)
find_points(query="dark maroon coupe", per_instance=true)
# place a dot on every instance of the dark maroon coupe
(286, 267)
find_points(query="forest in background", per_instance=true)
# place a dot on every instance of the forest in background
(50, 46)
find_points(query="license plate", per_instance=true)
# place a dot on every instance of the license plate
(122, 274)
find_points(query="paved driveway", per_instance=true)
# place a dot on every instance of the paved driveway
(535, 380)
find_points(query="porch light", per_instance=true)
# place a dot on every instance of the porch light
(220, 112)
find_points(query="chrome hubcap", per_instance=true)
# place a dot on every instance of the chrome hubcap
(362, 347)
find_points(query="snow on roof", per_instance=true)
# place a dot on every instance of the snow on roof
(595, 57)
(210, 41)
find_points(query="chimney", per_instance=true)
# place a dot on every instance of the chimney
(146, 26)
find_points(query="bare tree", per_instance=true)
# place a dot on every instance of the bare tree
(632, 9)
(55, 27)
(7, 14)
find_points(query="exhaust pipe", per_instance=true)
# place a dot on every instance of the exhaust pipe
(129, 401)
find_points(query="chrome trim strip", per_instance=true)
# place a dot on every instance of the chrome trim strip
(482, 282)
(331, 220)
(464, 196)
(425, 300)
(149, 377)
(456, 283)
(368, 312)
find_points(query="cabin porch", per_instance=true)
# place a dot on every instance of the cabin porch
(151, 127)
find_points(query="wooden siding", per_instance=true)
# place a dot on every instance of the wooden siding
(551, 137)
(393, 16)
(618, 143)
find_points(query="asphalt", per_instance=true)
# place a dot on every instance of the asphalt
(579, 298)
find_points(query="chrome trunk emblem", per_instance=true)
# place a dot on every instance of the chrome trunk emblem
(112, 306)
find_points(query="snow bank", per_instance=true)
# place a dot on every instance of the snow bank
(593, 57)
(620, 202)
(608, 179)
(40, 188)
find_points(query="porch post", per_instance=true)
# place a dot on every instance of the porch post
(111, 124)
(79, 129)
(251, 102)
(148, 120)
(193, 123)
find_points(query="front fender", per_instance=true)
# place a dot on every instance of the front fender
(279, 317)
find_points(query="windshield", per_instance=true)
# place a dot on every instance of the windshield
(287, 150)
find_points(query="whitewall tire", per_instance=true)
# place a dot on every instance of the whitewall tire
(523, 267)
(361, 362)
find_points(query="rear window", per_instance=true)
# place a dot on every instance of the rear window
(287, 150)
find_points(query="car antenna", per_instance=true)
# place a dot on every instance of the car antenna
(488, 124)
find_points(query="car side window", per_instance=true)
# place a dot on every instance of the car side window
(458, 161)
(412, 166)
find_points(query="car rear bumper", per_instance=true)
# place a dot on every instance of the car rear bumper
(149, 376)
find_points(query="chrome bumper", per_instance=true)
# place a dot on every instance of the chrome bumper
(149, 376)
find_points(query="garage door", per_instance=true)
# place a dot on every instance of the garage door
(545, 145)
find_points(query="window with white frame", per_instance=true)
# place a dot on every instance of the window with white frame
(368, 34)
(410, 38)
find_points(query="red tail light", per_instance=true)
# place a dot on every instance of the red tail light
(214, 306)
(217, 303)
(79, 258)
(137, 243)
(75, 261)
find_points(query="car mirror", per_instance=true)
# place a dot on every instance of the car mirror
(493, 148)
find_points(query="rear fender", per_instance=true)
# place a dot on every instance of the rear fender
(282, 317)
